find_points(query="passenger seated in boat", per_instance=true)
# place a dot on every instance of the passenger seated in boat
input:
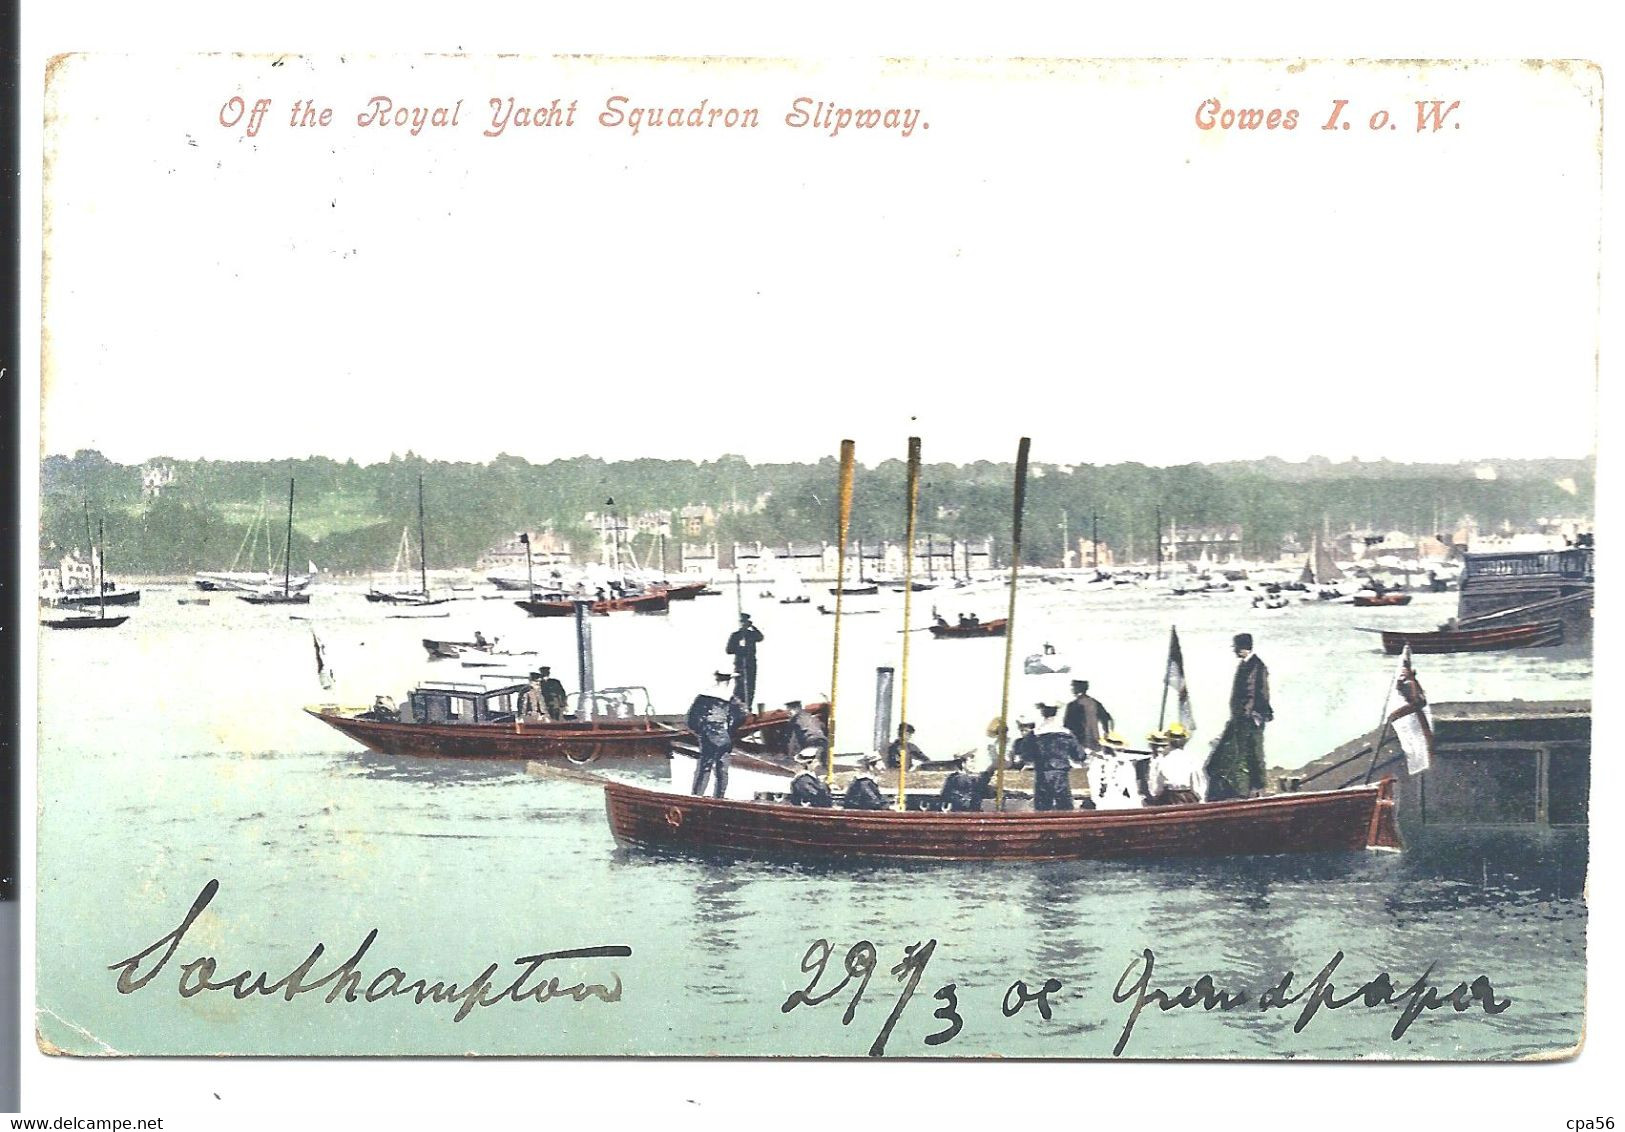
(894, 750)
(807, 789)
(964, 790)
(479, 640)
(1114, 779)
(1177, 774)
(383, 711)
(863, 792)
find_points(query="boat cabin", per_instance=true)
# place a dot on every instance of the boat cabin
(451, 702)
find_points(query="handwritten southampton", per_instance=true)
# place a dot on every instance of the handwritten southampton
(345, 981)
(507, 115)
(1134, 986)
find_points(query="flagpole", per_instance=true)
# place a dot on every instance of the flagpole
(1162, 712)
(842, 525)
(1010, 616)
(913, 494)
(1382, 725)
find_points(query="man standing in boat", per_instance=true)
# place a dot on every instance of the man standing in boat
(742, 647)
(1086, 717)
(1052, 752)
(553, 697)
(712, 718)
(806, 741)
(1236, 768)
(533, 702)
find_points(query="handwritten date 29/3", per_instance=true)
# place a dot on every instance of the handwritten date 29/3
(1432, 115)
(859, 964)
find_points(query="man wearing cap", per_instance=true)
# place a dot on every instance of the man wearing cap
(1236, 767)
(1086, 717)
(742, 647)
(805, 740)
(863, 792)
(964, 789)
(712, 718)
(807, 789)
(1052, 751)
(532, 703)
(894, 750)
(553, 698)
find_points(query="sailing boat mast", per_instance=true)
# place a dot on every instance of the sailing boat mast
(1017, 505)
(287, 549)
(101, 582)
(423, 547)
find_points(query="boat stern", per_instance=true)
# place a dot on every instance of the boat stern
(1383, 833)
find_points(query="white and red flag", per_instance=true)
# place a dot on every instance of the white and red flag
(1412, 720)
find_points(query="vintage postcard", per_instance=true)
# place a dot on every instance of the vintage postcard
(1049, 559)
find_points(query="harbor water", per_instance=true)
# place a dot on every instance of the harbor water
(174, 752)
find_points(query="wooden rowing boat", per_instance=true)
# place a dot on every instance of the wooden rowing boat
(1370, 600)
(656, 602)
(1535, 634)
(1314, 822)
(994, 628)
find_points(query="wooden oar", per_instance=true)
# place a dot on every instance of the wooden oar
(912, 493)
(843, 523)
(564, 772)
(1010, 618)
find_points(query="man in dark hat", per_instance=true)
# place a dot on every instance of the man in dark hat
(742, 647)
(894, 750)
(532, 702)
(1236, 767)
(713, 718)
(1086, 717)
(807, 789)
(1051, 751)
(553, 697)
(805, 740)
(863, 792)
(964, 789)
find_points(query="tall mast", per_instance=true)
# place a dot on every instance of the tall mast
(1158, 513)
(843, 523)
(423, 547)
(101, 582)
(287, 550)
(908, 606)
(1010, 617)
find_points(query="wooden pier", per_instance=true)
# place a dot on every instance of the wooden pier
(1497, 764)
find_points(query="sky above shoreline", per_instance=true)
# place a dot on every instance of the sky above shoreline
(1063, 255)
